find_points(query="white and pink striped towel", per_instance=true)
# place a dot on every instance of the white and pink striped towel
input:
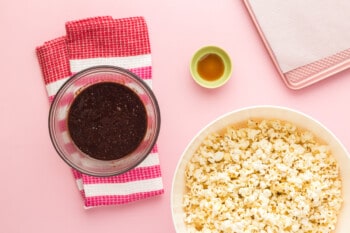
(105, 41)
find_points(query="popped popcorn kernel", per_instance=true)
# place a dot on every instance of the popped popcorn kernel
(268, 176)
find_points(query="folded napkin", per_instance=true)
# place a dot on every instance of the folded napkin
(308, 40)
(105, 41)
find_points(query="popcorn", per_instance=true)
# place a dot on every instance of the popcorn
(268, 176)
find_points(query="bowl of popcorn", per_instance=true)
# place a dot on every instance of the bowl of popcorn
(262, 169)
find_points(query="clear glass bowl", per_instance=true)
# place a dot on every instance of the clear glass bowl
(58, 116)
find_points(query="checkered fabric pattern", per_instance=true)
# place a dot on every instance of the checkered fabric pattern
(105, 41)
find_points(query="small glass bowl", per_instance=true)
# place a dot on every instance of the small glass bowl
(58, 116)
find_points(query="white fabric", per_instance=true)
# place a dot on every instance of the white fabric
(300, 32)
(53, 87)
(138, 186)
(125, 62)
(151, 160)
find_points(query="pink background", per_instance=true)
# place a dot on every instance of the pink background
(38, 192)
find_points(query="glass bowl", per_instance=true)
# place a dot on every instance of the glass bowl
(58, 121)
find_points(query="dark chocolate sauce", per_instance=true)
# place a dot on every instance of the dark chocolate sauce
(107, 121)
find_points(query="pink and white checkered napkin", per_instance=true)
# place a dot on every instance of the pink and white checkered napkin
(105, 41)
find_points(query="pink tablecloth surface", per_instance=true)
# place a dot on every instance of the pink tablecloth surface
(38, 193)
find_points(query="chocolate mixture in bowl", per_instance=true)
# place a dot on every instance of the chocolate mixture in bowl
(107, 121)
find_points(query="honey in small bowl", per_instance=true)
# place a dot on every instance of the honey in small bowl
(211, 67)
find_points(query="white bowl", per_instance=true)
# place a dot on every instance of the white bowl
(263, 112)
